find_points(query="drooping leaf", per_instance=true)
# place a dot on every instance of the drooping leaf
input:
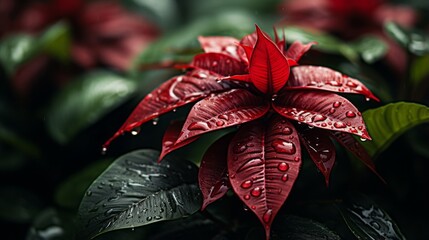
(316, 77)
(321, 150)
(220, 44)
(368, 221)
(414, 41)
(290, 227)
(172, 94)
(219, 63)
(170, 137)
(136, 190)
(269, 68)
(85, 101)
(212, 177)
(321, 109)
(388, 122)
(263, 163)
(227, 109)
(297, 49)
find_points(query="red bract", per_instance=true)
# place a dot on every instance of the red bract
(255, 84)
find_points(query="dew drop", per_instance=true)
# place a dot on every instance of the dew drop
(287, 130)
(256, 192)
(149, 219)
(220, 123)
(103, 150)
(281, 146)
(332, 110)
(88, 193)
(214, 63)
(297, 159)
(135, 131)
(318, 118)
(334, 83)
(285, 177)
(360, 128)
(247, 184)
(339, 125)
(267, 216)
(363, 139)
(367, 99)
(336, 104)
(283, 167)
(351, 84)
(375, 225)
(253, 207)
(198, 126)
(323, 125)
(350, 114)
(174, 110)
(239, 148)
(301, 118)
(224, 117)
(246, 197)
(168, 143)
(273, 97)
(155, 121)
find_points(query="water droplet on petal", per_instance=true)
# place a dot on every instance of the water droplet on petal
(350, 114)
(283, 167)
(323, 125)
(239, 148)
(224, 117)
(285, 177)
(339, 125)
(363, 139)
(332, 110)
(287, 130)
(103, 150)
(301, 118)
(318, 118)
(273, 97)
(149, 219)
(256, 192)
(247, 184)
(220, 123)
(198, 126)
(267, 216)
(367, 99)
(246, 197)
(336, 104)
(351, 84)
(360, 127)
(214, 63)
(253, 207)
(135, 131)
(281, 146)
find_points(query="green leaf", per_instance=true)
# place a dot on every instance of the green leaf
(416, 42)
(56, 41)
(85, 101)
(368, 221)
(388, 122)
(298, 228)
(70, 192)
(16, 50)
(136, 190)
(370, 48)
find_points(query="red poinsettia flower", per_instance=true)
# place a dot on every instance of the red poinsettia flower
(256, 83)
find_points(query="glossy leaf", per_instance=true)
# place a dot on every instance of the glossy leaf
(316, 77)
(297, 49)
(264, 160)
(220, 44)
(136, 190)
(170, 137)
(321, 109)
(212, 177)
(269, 68)
(414, 41)
(85, 101)
(227, 109)
(371, 48)
(388, 122)
(55, 41)
(368, 221)
(321, 150)
(172, 94)
(16, 50)
(219, 63)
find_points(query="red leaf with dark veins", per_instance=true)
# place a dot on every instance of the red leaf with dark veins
(219, 63)
(321, 150)
(170, 137)
(351, 144)
(297, 49)
(264, 160)
(322, 78)
(220, 44)
(227, 109)
(212, 177)
(174, 93)
(269, 68)
(321, 109)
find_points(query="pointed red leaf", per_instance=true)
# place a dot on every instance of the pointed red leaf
(316, 77)
(269, 68)
(220, 44)
(249, 40)
(212, 177)
(247, 44)
(297, 49)
(264, 160)
(321, 109)
(219, 63)
(321, 150)
(174, 93)
(351, 144)
(227, 109)
(170, 137)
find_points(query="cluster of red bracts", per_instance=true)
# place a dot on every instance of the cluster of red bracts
(257, 84)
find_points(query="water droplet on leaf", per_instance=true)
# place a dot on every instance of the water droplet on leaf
(285, 177)
(198, 126)
(281, 146)
(283, 167)
(256, 192)
(247, 184)
(350, 114)
(339, 125)
(336, 104)
(267, 216)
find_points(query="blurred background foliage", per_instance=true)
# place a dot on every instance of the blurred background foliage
(72, 71)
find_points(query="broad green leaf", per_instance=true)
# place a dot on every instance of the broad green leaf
(416, 42)
(16, 50)
(370, 48)
(368, 221)
(388, 122)
(18, 205)
(182, 45)
(136, 190)
(70, 192)
(55, 41)
(85, 101)
(298, 228)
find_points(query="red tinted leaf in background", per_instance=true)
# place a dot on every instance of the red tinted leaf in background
(351, 144)
(315, 77)
(269, 68)
(321, 150)
(219, 63)
(212, 177)
(321, 109)
(170, 137)
(264, 160)
(174, 93)
(297, 49)
(221, 44)
(227, 109)
(247, 44)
